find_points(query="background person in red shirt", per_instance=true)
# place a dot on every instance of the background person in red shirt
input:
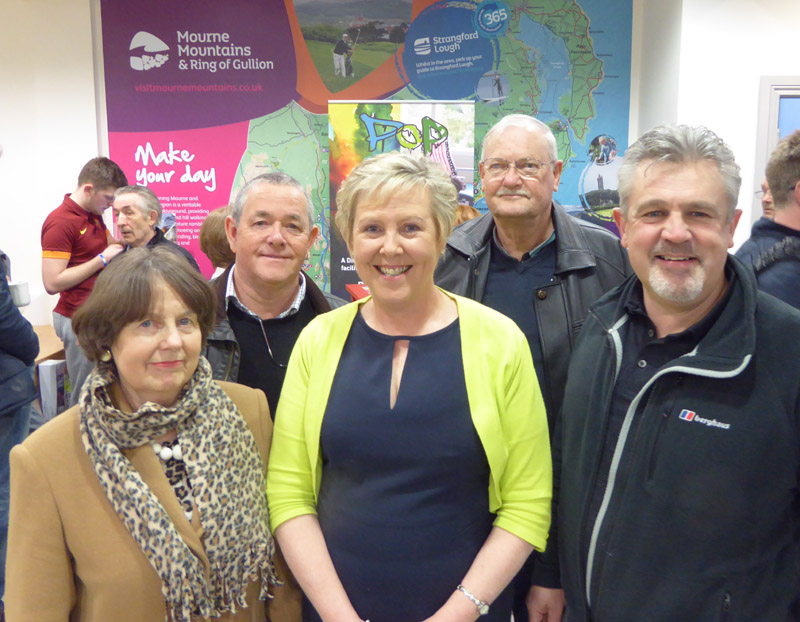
(76, 245)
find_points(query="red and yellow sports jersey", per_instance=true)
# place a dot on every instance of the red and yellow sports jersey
(72, 233)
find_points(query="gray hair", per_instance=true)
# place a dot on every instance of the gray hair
(276, 178)
(524, 122)
(397, 174)
(680, 144)
(148, 201)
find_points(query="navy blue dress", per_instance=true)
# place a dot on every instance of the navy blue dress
(404, 502)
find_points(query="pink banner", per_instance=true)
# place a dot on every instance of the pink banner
(191, 172)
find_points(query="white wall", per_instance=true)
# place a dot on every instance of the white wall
(700, 62)
(655, 64)
(726, 46)
(48, 126)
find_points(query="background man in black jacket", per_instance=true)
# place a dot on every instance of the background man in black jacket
(536, 264)
(137, 211)
(774, 245)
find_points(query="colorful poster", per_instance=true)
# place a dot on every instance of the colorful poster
(202, 96)
(442, 131)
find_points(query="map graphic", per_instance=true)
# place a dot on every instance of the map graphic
(294, 141)
(567, 64)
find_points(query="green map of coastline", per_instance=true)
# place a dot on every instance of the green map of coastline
(294, 141)
(568, 22)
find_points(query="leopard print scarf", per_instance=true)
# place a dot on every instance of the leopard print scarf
(226, 474)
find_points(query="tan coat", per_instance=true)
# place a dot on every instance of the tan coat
(69, 555)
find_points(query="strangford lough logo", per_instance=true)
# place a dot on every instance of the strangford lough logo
(147, 51)
(451, 43)
(690, 415)
(422, 46)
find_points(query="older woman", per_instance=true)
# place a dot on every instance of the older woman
(410, 474)
(146, 501)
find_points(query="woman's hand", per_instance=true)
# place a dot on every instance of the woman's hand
(458, 608)
(304, 549)
(495, 565)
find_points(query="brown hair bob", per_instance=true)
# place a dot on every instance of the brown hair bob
(123, 294)
(214, 240)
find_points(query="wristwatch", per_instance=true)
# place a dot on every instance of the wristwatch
(483, 608)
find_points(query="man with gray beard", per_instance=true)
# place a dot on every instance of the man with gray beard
(678, 497)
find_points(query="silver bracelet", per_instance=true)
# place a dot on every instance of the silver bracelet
(483, 607)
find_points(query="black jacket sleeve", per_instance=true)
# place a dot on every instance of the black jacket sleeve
(17, 336)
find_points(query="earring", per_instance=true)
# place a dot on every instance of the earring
(106, 355)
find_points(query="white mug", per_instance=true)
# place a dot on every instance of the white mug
(20, 293)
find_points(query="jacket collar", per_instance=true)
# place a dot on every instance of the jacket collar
(572, 248)
(728, 345)
(473, 235)
(315, 296)
(158, 237)
(767, 227)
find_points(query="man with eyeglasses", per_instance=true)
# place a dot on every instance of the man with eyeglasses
(76, 245)
(530, 260)
(767, 204)
(264, 299)
(774, 245)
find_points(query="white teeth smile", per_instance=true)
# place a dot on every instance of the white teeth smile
(668, 258)
(393, 271)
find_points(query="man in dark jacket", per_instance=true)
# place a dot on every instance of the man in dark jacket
(678, 436)
(137, 212)
(532, 261)
(264, 298)
(19, 347)
(774, 245)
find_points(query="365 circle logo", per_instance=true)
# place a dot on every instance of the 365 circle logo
(491, 19)
(147, 51)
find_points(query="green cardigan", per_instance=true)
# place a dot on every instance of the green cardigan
(506, 408)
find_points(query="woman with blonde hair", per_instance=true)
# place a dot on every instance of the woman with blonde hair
(410, 474)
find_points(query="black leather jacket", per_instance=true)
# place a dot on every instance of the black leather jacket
(589, 262)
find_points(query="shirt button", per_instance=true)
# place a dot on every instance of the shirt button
(642, 363)
(651, 333)
(541, 294)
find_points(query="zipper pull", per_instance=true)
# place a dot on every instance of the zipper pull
(726, 602)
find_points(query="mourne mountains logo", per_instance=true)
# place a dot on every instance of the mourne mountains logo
(147, 51)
